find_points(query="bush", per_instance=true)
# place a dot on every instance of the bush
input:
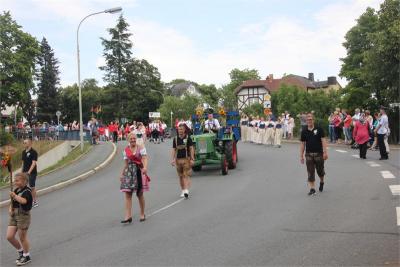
(5, 138)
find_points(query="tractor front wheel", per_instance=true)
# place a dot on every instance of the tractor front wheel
(224, 165)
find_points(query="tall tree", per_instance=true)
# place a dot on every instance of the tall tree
(117, 53)
(48, 81)
(18, 51)
(237, 77)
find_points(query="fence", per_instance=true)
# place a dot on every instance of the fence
(49, 134)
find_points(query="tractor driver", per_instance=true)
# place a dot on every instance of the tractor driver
(211, 124)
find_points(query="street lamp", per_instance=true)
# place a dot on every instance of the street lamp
(110, 11)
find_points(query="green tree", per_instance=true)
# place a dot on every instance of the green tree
(182, 108)
(237, 78)
(48, 81)
(372, 63)
(117, 54)
(18, 51)
(210, 94)
(255, 109)
(92, 95)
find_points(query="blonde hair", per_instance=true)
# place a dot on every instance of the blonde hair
(131, 134)
(23, 176)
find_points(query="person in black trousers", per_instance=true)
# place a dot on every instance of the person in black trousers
(382, 130)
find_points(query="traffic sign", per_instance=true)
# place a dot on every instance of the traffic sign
(267, 97)
(58, 113)
(267, 111)
(154, 115)
(267, 104)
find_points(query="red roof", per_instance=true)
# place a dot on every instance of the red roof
(273, 85)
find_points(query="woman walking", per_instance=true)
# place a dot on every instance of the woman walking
(134, 177)
(361, 135)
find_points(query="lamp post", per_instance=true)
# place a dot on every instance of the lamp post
(110, 11)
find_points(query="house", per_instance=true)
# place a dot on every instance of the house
(180, 89)
(255, 91)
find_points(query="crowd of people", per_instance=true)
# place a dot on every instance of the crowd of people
(362, 130)
(267, 130)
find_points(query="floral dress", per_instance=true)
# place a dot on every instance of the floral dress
(134, 180)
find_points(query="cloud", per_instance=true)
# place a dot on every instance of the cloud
(279, 45)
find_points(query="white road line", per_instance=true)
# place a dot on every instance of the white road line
(373, 164)
(166, 207)
(398, 215)
(395, 189)
(387, 175)
(341, 151)
(356, 156)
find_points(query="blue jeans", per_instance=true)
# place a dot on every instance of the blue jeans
(347, 134)
(332, 136)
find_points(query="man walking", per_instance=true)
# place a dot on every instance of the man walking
(182, 156)
(314, 143)
(382, 131)
(29, 166)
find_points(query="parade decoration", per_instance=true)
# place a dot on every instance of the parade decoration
(5, 160)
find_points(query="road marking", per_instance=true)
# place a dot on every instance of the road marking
(341, 151)
(166, 207)
(373, 164)
(395, 189)
(356, 156)
(398, 215)
(387, 175)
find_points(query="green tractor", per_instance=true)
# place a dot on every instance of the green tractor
(216, 147)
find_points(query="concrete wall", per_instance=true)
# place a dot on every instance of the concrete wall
(51, 157)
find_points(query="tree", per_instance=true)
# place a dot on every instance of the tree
(18, 51)
(182, 108)
(237, 78)
(210, 94)
(372, 63)
(48, 80)
(117, 54)
(92, 95)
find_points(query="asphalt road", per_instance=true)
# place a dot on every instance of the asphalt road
(259, 214)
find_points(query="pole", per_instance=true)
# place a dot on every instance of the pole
(79, 78)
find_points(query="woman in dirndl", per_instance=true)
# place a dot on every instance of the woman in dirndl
(134, 177)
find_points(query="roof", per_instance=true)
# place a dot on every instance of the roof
(270, 85)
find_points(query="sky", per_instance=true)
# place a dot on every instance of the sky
(199, 40)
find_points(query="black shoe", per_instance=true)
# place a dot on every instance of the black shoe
(127, 220)
(24, 260)
(386, 158)
(143, 219)
(186, 195)
(21, 255)
(312, 192)
(321, 187)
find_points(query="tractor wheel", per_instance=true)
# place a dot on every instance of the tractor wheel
(224, 165)
(196, 168)
(231, 154)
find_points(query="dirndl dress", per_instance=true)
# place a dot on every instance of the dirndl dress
(133, 179)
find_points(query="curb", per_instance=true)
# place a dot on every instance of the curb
(71, 181)
(56, 169)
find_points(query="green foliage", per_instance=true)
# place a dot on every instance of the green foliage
(256, 109)
(48, 80)
(210, 94)
(18, 51)
(182, 108)
(372, 63)
(237, 78)
(5, 138)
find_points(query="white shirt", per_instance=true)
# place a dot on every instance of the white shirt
(384, 124)
(189, 124)
(212, 124)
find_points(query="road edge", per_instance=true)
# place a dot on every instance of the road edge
(73, 180)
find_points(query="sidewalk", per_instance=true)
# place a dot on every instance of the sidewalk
(91, 160)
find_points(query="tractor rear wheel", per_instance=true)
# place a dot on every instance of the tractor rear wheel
(224, 165)
(231, 154)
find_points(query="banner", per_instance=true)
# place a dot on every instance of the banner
(154, 115)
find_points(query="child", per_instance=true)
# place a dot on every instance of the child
(20, 218)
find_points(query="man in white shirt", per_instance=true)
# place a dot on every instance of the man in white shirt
(382, 130)
(211, 124)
